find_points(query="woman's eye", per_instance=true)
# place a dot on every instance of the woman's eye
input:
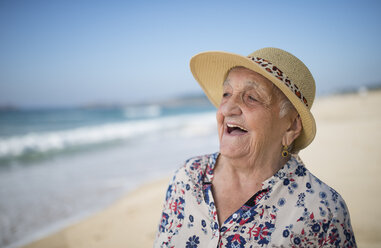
(252, 98)
(225, 94)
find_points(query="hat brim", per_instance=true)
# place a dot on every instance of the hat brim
(210, 70)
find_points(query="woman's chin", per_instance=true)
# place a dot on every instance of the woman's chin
(230, 151)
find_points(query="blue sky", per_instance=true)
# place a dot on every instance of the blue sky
(67, 53)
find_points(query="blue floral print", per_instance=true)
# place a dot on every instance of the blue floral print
(192, 242)
(235, 241)
(300, 171)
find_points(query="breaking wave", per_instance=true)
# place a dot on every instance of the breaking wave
(85, 136)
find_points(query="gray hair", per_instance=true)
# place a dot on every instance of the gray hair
(285, 106)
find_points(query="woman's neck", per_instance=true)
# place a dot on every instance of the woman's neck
(248, 169)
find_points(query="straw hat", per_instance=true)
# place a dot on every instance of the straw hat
(283, 69)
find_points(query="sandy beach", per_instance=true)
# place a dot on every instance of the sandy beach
(345, 154)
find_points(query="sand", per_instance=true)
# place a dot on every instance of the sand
(345, 154)
(130, 222)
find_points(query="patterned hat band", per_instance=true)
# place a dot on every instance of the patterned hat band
(281, 76)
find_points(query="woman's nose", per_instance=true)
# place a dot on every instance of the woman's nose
(232, 107)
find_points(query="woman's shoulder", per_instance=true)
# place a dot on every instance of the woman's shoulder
(196, 167)
(201, 162)
(318, 194)
(316, 207)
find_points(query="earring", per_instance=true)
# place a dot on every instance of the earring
(285, 151)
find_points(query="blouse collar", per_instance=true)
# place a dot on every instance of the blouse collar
(293, 167)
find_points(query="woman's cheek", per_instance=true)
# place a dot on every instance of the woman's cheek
(220, 123)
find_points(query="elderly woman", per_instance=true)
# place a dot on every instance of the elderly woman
(256, 192)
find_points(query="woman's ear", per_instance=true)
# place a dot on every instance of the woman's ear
(293, 131)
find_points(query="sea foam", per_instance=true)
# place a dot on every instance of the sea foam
(61, 140)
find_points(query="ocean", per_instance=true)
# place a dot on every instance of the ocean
(58, 166)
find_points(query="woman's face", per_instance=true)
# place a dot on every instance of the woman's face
(248, 116)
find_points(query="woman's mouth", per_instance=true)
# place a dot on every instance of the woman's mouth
(235, 129)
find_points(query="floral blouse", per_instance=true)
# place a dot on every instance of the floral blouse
(293, 209)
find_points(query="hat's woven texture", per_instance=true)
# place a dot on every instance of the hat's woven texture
(290, 75)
